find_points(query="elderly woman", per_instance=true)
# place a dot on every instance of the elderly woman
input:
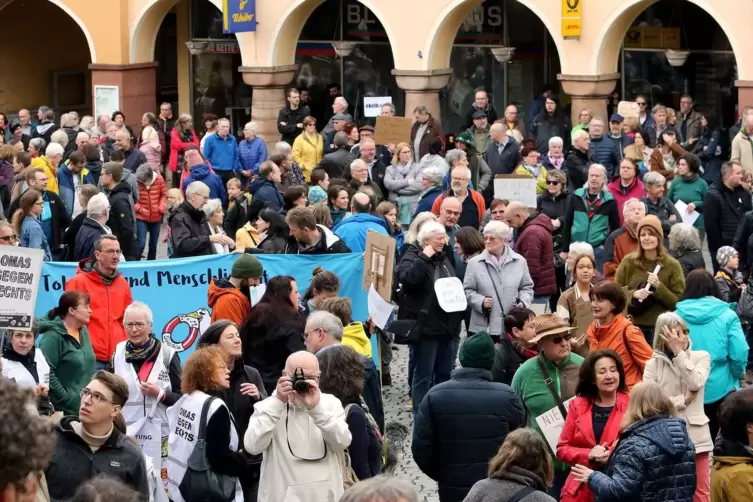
(495, 281)
(592, 426)
(552, 203)
(685, 246)
(555, 361)
(404, 183)
(666, 154)
(432, 187)
(690, 188)
(555, 157)
(423, 263)
(531, 167)
(69, 238)
(182, 136)
(26, 365)
(213, 210)
(657, 204)
(150, 208)
(682, 373)
(574, 306)
(252, 151)
(308, 147)
(627, 185)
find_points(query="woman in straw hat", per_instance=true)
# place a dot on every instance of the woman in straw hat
(557, 365)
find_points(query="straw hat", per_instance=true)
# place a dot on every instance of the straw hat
(548, 325)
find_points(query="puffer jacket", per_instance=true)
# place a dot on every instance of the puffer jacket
(189, 232)
(251, 153)
(654, 460)
(534, 243)
(715, 329)
(606, 153)
(152, 202)
(264, 189)
(445, 448)
(545, 126)
(614, 335)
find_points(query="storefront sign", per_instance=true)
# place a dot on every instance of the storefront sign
(238, 16)
(20, 271)
(372, 106)
(652, 37)
(106, 99)
(571, 18)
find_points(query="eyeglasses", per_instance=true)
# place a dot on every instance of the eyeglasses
(552, 182)
(306, 334)
(138, 325)
(310, 125)
(641, 104)
(8, 238)
(40, 203)
(558, 339)
(95, 396)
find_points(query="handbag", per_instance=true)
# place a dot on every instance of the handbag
(550, 385)
(408, 331)
(200, 482)
(744, 308)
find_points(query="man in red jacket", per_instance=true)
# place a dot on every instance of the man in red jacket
(534, 243)
(109, 295)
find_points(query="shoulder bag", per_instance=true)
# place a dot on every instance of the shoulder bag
(349, 475)
(200, 482)
(522, 493)
(407, 331)
(550, 385)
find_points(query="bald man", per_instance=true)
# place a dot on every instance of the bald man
(301, 433)
(353, 230)
(512, 122)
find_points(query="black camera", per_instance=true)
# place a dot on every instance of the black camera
(300, 385)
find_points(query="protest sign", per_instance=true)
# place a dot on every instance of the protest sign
(450, 294)
(516, 187)
(379, 262)
(392, 130)
(550, 423)
(372, 105)
(20, 272)
(628, 109)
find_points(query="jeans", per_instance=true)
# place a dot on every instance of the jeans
(541, 300)
(599, 258)
(142, 228)
(433, 358)
(101, 365)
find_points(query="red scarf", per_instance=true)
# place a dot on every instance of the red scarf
(525, 353)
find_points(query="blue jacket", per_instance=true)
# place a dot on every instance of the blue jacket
(252, 154)
(265, 189)
(90, 231)
(716, 329)
(353, 230)
(654, 460)
(605, 152)
(426, 199)
(65, 182)
(222, 153)
(32, 236)
(201, 172)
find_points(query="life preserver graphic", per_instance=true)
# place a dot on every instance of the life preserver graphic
(197, 322)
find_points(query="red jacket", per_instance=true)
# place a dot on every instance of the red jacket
(577, 440)
(635, 190)
(534, 243)
(478, 199)
(108, 304)
(178, 145)
(152, 202)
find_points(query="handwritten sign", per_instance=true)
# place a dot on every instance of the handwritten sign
(392, 130)
(379, 262)
(372, 105)
(516, 187)
(550, 424)
(20, 272)
(450, 294)
(628, 109)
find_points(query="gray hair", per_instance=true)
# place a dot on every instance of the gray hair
(555, 140)
(604, 175)
(631, 200)
(82, 134)
(392, 107)
(434, 175)
(341, 139)
(684, 238)
(411, 235)
(141, 308)
(343, 101)
(357, 163)
(98, 206)
(421, 109)
(430, 229)
(123, 132)
(281, 147)
(466, 170)
(579, 248)
(49, 113)
(212, 206)
(144, 173)
(327, 322)
(60, 137)
(580, 134)
(670, 320)
(194, 187)
(251, 126)
(454, 155)
(223, 121)
(380, 488)
(55, 149)
(654, 178)
(38, 143)
(498, 229)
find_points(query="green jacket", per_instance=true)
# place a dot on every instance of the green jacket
(528, 383)
(579, 227)
(72, 364)
(689, 190)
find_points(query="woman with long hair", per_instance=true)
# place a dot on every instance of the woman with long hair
(338, 200)
(272, 230)
(666, 154)
(273, 330)
(549, 123)
(182, 136)
(324, 284)
(388, 210)
(574, 306)
(26, 223)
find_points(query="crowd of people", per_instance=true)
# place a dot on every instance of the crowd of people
(596, 307)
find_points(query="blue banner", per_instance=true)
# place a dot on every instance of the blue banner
(176, 290)
(238, 16)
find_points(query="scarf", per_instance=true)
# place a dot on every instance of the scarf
(143, 353)
(403, 170)
(557, 161)
(524, 352)
(107, 279)
(535, 170)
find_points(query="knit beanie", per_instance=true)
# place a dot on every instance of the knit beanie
(247, 266)
(477, 352)
(725, 254)
(653, 223)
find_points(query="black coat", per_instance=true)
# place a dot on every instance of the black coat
(577, 163)
(554, 207)
(500, 164)
(337, 163)
(743, 242)
(241, 405)
(460, 425)
(491, 116)
(267, 349)
(417, 274)
(189, 232)
(133, 159)
(723, 210)
(86, 236)
(292, 118)
(372, 392)
(70, 236)
(506, 362)
(545, 126)
(693, 260)
(121, 221)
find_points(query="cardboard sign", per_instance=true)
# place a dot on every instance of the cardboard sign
(392, 130)
(379, 263)
(628, 109)
(372, 105)
(550, 423)
(20, 272)
(516, 187)
(450, 294)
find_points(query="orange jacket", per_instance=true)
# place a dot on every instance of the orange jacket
(477, 198)
(108, 304)
(614, 335)
(227, 302)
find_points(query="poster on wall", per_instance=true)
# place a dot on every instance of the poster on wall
(372, 105)
(106, 99)
(20, 271)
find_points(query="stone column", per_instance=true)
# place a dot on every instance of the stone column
(422, 88)
(137, 88)
(589, 91)
(744, 94)
(269, 85)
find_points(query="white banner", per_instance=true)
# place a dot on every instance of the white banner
(20, 271)
(372, 106)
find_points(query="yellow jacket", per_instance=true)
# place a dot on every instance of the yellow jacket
(308, 154)
(540, 181)
(355, 337)
(42, 162)
(247, 237)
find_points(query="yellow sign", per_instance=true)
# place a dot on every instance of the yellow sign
(572, 18)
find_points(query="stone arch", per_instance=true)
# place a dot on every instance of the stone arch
(446, 25)
(613, 30)
(288, 30)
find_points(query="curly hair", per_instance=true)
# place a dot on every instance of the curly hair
(684, 238)
(341, 372)
(200, 368)
(103, 487)
(26, 440)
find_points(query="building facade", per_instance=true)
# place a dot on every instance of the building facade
(132, 54)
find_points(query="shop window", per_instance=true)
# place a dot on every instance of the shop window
(218, 88)
(206, 21)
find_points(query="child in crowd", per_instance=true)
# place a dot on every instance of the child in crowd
(729, 279)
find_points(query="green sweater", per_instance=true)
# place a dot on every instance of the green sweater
(528, 383)
(72, 364)
(632, 273)
(689, 190)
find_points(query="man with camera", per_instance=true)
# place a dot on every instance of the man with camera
(301, 433)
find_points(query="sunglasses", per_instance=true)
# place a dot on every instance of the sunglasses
(552, 182)
(558, 339)
(641, 104)
(9, 238)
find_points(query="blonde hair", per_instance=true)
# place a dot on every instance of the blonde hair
(175, 192)
(149, 133)
(412, 235)
(398, 149)
(647, 400)
(670, 320)
(322, 214)
(523, 448)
